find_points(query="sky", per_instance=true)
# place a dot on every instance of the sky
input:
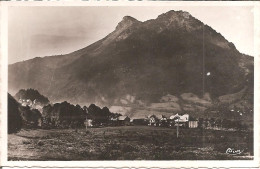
(37, 31)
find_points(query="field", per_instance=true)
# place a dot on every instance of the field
(128, 143)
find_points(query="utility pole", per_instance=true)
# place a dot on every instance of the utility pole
(178, 127)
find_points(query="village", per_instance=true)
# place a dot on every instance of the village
(183, 121)
(152, 120)
(66, 115)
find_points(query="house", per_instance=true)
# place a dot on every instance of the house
(88, 123)
(162, 120)
(193, 124)
(113, 121)
(184, 118)
(26, 102)
(180, 120)
(123, 121)
(33, 104)
(161, 117)
(153, 120)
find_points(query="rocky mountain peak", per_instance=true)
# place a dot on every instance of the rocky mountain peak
(126, 22)
(172, 13)
(179, 20)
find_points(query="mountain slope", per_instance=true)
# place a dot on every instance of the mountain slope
(172, 54)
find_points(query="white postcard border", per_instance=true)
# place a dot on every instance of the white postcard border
(137, 164)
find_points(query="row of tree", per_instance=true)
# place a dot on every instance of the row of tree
(58, 115)
(63, 115)
(66, 115)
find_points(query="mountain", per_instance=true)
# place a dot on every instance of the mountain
(169, 64)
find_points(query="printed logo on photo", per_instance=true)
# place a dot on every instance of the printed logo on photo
(233, 151)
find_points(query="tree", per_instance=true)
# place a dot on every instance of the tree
(32, 94)
(30, 117)
(85, 108)
(14, 117)
(105, 112)
(36, 117)
(64, 115)
(46, 114)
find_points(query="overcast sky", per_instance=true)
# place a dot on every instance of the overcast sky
(46, 31)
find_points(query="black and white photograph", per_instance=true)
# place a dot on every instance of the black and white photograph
(140, 83)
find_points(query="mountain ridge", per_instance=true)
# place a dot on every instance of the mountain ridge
(134, 19)
(171, 54)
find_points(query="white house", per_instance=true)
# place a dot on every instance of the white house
(182, 118)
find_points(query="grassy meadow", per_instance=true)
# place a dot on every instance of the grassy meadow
(128, 143)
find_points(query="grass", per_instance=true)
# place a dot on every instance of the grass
(128, 143)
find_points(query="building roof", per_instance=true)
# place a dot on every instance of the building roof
(161, 116)
(122, 117)
(182, 118)
(174, 116)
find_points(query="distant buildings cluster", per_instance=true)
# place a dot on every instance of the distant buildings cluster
(152, 120)
(65, 115)
(173, 120)
(183, 121)
(32, 104)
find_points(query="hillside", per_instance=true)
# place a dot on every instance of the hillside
(134, 68)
